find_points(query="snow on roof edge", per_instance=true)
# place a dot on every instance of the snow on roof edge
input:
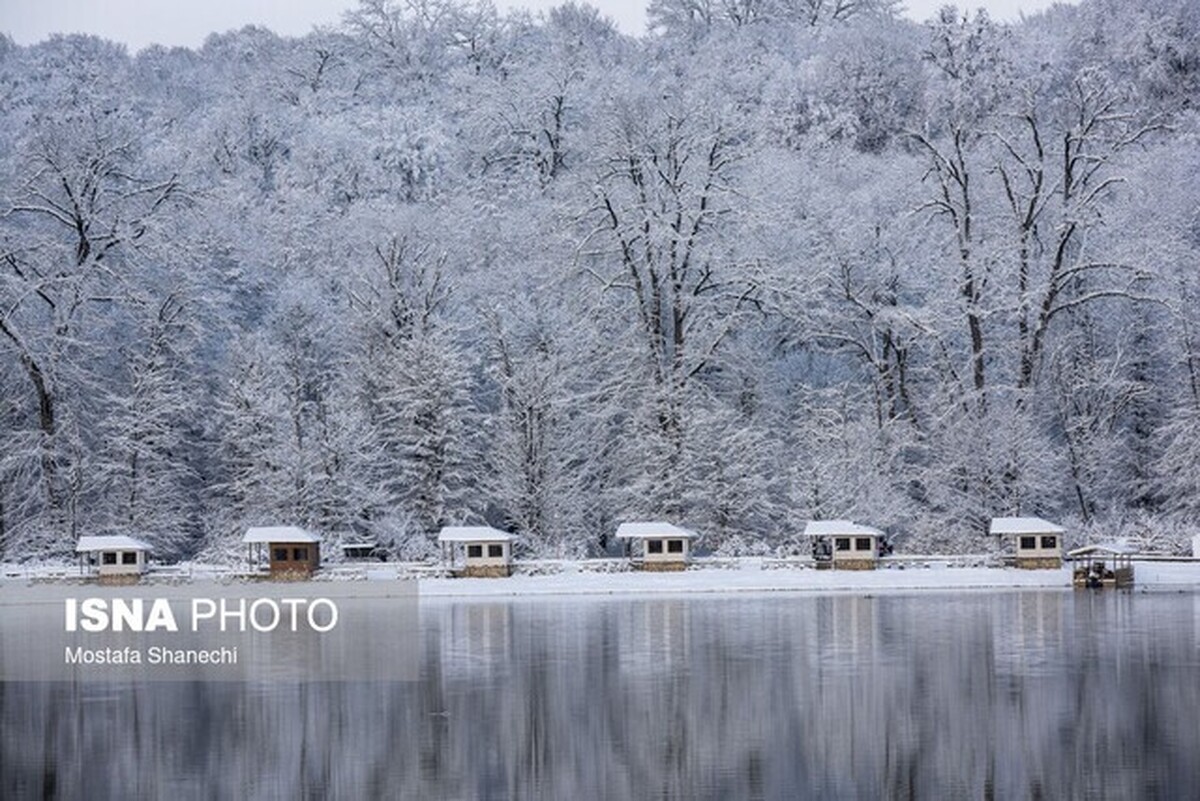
(1023, 525)
(652, 528)
(266, 534)
(474, 534)
(833, 528)
(113, 542)
(1115, 548)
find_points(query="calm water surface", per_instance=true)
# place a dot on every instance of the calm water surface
(1052, 695)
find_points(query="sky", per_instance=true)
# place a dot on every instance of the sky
(138, 23)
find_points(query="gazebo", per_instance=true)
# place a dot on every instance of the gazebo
(844, 544)
(662, 546)
(115, 555)
(1037, 542)
(1108, 564)
(292, 552)
(477, 551)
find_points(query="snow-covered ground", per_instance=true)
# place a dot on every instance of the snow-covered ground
(750, 578)
(732, 576)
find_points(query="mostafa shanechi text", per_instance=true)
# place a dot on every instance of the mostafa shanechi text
(154, 655)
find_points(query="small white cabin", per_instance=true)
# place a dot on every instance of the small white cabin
(477, 551)
(115, 555)
(845, 544)
(1037, 542)
(657, 545)
(1196, 547)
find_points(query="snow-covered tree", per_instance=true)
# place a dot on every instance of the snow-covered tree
(771, 259)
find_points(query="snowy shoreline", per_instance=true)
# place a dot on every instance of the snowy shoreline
(749, 577)
(1150, 577)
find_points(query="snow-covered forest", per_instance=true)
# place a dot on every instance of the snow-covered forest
(774, 260)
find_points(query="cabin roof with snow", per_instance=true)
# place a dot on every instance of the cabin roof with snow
(110, 543)
(1118, 548)
(839, 528)
(475, 534)
(268, 534)
(652, 530)
(1024, 525)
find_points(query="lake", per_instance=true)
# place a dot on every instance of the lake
(1003, 695)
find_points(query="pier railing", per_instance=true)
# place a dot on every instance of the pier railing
(898, 562)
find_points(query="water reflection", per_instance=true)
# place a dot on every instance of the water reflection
(1021, 695)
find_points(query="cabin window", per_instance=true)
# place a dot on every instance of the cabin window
(1028, 543)
(842, 543)
(109, 557)
(1049, 541)
(654, 546)
(279, 554)
(674, 546)
(129, 558)
(474, 551)
(862, 543)
(495, 551)
(300, 554)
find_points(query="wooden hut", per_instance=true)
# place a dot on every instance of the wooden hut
(477, 551)
(292, 553)
(115, 558)
(1037, 542)
(1105, 565)
(844, 544)
(657, 545)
